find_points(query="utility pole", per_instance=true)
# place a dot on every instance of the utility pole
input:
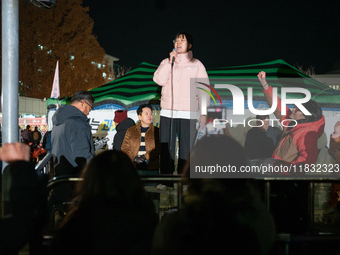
(10, 83)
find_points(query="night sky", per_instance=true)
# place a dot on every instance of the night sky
(226, 33)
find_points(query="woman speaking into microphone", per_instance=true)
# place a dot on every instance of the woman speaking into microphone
(178, 75)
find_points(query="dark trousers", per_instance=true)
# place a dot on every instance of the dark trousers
(155, 197)
(186, 132)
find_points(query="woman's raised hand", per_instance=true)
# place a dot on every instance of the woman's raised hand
(11, 152)
(262, 79)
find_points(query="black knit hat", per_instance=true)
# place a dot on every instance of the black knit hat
(314, 108)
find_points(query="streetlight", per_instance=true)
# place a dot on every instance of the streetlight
(45, 4)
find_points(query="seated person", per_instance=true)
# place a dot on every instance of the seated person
(122, 124)
(141, 144)
(261, 141)
(298, 144)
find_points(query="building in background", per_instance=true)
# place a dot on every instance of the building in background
(32, 111)
(330, 79)
(111, 63)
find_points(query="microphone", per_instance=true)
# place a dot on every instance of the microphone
(173, 58)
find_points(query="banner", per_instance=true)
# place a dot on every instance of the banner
(55, 88)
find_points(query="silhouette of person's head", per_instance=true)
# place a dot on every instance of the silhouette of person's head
(110, 176)
(220, 205)
(210, 151)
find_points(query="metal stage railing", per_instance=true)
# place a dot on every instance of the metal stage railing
(311, 192)
(164, 179)
(285, 241)
(44, 165)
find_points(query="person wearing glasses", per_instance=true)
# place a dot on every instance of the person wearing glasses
(72, 141)
(298, 146)
(179, 102)
(298, 143)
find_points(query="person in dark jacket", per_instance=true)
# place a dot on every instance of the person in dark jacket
(122, 124)
(47, 141)
(72, 142)
(261, 141)
(36, 136)
(27, 135)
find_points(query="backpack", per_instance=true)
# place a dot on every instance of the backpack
(25, 134)
(48, 141)
(36, 136)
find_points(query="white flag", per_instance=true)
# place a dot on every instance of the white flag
(55, 89)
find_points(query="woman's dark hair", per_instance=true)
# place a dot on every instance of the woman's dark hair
(111, 176)
(110, 179)
(189, 38)
(314, 108)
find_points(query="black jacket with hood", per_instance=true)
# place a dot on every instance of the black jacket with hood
(121, 130)
(71, 135)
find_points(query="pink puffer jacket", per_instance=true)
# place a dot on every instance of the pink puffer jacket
(185, 68)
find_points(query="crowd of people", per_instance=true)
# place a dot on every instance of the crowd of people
(40, 145)
(112, 213)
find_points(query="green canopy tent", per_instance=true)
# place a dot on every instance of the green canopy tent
(138, 87)
(130, 90)
(279, 74)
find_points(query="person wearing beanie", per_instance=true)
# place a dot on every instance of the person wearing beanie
(120, 115)
(298, 144)
(122, 124)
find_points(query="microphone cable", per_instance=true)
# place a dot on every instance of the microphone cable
(171, 109)
(171, 145)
